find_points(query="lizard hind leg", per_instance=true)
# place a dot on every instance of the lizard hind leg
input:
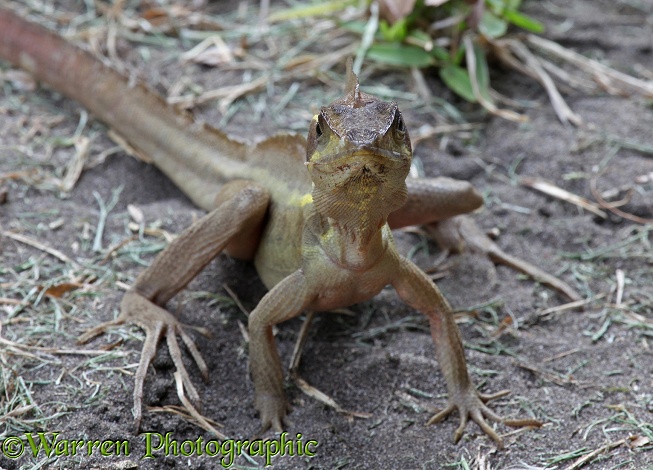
(439, 204)
(461, 233)
(241, 208)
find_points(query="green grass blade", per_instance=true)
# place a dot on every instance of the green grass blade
(308, 11)
(523, 21)
(457, 80)
(403, 55)
(492, 26)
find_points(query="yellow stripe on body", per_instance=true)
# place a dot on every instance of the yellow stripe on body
(301, 200)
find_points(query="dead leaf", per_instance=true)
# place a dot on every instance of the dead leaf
(60, 289)
(639, 441)
(156, 16)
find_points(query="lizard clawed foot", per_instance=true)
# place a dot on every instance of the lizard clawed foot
(157, 322)
(458, 233)
(272, 410)
(472, 404)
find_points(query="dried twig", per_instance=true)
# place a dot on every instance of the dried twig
(470, 56)
(596, 69)
(226, 95)
(587, 458)
(611, 207)
(76, 164)
(535, 69)
(303, 385)
(59, 351)
(557, 192)
(38, 245)
(201, 420)
(569, 306)
(620, 287)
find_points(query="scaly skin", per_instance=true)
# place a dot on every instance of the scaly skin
(315, 216)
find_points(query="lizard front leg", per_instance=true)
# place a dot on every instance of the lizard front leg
(234, 224)
(285, 301)
(438, 205)
(418, 291)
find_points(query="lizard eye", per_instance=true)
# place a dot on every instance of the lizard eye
(400, 126)
(315, 137)
(320, 127)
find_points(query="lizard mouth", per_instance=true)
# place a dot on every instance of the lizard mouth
(374, 159)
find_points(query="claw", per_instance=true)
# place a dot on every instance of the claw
(273, 410)
(442, 415)
(485, 397)
(472, 405)
(98, 330)
(197, 356)
(478, 417)
(458, 434)
(175, 354)
(152, 335)
(157, 322)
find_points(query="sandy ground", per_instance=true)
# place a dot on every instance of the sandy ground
(586, 374)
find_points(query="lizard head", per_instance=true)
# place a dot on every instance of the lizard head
(358, 155)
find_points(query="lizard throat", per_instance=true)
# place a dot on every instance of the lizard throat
(353, 248)
(360, 208)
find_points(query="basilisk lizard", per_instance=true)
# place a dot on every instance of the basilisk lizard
(315, 215)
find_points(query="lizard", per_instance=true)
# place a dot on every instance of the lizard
(314, 214)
